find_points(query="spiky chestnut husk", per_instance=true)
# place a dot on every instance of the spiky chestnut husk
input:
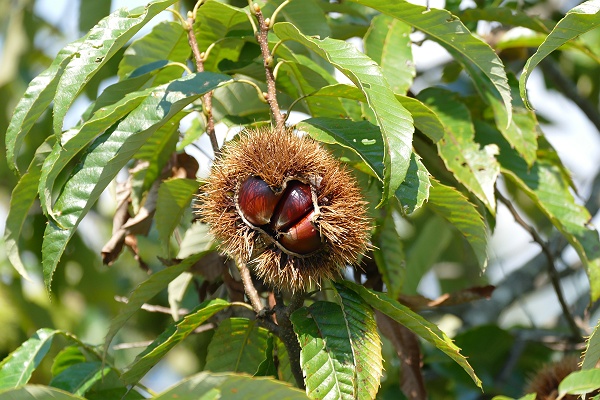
(279, 158)
(545, 383)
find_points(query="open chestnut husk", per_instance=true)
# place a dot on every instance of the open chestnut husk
(281, 203)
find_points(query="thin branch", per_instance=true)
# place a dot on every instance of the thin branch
(287, 334)
(249, 287)
(263, 40)
(554, 277)
(207, 98)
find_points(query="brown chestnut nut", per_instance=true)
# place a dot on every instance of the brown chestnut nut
(303, 237)
(295, 204)
(257, 201)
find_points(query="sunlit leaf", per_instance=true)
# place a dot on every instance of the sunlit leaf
(238, 345)
(592, 350)
(144, 292)
(224, 25)
(35, 101)
(394, 121)
(507, 16)
(167, 41)
(62, 153)
(366, 343)
(580, 382)
(389, 253)
(433, 238)
(174, 197)
(17, 367)
(547, 186)
(388, 43)
(456, 208)
(415, 323)
(100, 44)
(449, 31)
(170, 337)
(79, 378)
(21, 201)
(37, 392)
(209, 386)
(476, 168)
(110, 152)
(326, 354)
(577, 21)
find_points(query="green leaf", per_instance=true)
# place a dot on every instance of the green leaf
(167, 41)
(326, 355)
(21, 201)
(366, 344)
(100, 44)
(522, 132)
(37, 392)
(224, 25)
(389, 253)
(365, 140)
(531, 396)
(388, 43)
(544, 183)
(169, 338)
(35, 101)
(394, 121)
(284, 372)
(456, 208)
(415, 323)
(433, 239)
(197, 239)
(156, 151)
(238, 103)
(209, 386)
(425, 120)
(145, 291)
(508, 17)
(476, 168)
(238, 345)
(449, 31)
(307, 77)
(79, 378)
(580, 382)
(577, 21)
(136, 81)
(110, 153)
(17, 367)
(361, 137)
(592, 349)
(268, 367)
(414, 191)
(63, 152)
(66, 358)
(306, 15)
(174, 197)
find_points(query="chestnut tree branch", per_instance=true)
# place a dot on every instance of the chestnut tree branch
(207, 98)
(552, 272)
(263, 40)
(249, 288)
(287, 334)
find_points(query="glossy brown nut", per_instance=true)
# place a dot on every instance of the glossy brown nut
(293, 206)
(257, 201)
(303, 237)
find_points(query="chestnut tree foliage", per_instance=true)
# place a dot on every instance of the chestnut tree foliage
(435, 151)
